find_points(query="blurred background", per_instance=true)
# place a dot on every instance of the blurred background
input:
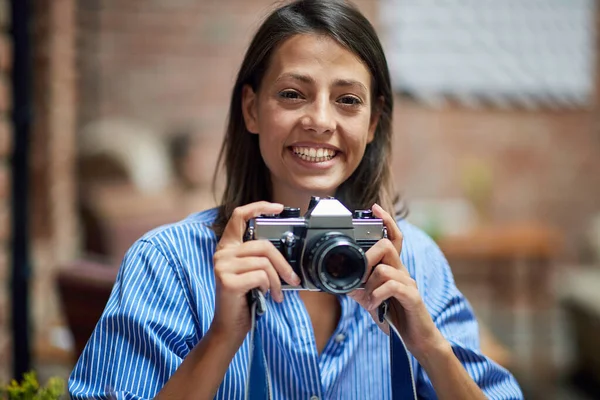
(112, 113)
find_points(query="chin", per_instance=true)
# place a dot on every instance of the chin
(321, 189)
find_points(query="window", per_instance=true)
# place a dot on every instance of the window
(528, 52)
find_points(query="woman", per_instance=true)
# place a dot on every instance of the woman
(310, 114)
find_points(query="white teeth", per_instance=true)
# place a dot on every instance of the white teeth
(314, 154)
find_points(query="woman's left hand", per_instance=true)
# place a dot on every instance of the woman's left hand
(389, 279)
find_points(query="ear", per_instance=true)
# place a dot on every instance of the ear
(249, 99)
(375, 114)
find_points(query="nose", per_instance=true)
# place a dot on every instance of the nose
(319, 116)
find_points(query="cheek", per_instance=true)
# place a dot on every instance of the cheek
(274, 123)
(270, 151)
(360, 138)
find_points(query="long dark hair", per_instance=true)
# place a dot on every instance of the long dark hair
(247, 177)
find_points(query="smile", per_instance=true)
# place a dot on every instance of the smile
(314, 154)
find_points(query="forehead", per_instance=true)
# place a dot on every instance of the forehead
(318, 56)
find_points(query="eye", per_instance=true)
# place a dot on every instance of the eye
(289, 94)
(350, 100)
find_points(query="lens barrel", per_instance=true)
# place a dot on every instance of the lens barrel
(335, 263)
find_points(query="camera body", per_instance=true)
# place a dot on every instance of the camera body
(326, 247)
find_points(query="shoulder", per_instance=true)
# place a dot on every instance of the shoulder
(196, 227)
(418, 248)
(183, 244)
(425, 261)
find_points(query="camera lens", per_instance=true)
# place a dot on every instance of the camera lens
(336, 264)
(343, 267)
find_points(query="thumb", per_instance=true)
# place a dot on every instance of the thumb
(234, 231)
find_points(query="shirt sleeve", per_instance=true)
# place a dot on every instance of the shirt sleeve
(143, 334)
(454, 317)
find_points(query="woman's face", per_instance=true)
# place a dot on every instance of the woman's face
(313, 116)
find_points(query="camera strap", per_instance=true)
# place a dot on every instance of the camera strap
(258, 384)
(400, 362)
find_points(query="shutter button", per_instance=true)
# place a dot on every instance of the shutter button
(314, 397)
(340, 337)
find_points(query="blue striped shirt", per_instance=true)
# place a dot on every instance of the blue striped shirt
(163, 303)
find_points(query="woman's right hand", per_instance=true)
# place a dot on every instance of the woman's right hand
(242, 266)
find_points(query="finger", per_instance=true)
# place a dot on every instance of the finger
(393, 232)
(407, 296)
(243, 283)
(236, 226)
(265, 248)
(248, 264)
(383, 252)
(360, 296)
(384, 273)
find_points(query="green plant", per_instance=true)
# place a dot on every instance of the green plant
(30, 389)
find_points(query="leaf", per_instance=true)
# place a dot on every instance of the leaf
(30, 389)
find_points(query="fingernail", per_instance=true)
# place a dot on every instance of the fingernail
(281, 297)
(295, 279)
(276, 296)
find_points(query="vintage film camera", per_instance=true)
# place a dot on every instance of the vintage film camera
(326, 247)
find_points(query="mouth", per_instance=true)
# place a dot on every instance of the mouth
(314, 154)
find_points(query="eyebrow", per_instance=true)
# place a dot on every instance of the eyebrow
(310, 80)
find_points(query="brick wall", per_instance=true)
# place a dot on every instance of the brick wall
(544, 164)
(164, 63)
(5, 146)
